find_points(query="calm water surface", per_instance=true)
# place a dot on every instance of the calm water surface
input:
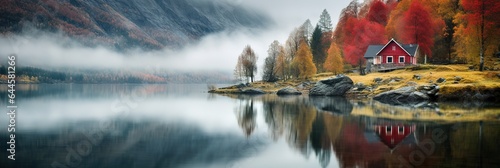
(71, 125)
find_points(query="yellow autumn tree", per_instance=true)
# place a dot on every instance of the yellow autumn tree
(282, 64)
(303, 62)
(334, 62)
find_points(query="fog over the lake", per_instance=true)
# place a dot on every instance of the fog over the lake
(216, 52)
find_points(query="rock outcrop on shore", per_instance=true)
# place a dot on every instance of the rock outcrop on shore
(252, 91)
(402, 96)
(410, 95)
(288, 91)
(337, 86)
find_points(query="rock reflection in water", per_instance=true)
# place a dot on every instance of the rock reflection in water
(336, 105)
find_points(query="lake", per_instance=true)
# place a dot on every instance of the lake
(128, 125)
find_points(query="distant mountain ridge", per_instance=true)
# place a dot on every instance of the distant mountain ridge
(150, 24)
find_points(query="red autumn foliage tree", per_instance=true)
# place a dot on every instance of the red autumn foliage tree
(418, 27)
(481, 24)
(362, 33)
(378, 12)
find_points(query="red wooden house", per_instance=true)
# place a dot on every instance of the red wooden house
(393, 134)
(392, 55)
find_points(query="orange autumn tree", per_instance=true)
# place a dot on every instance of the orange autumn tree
(394, 22)
(303, 61)
(334, 62)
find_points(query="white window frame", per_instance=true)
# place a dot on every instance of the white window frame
(401, 132)
(387, 59)
(399, 59)
(387, 131)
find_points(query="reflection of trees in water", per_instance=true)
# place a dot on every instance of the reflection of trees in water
(465, 142)
(273, 115)
(292, 120)
(320, 141)
(305, 129)
(246, 116)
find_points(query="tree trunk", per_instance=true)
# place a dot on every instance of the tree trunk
(481, 34)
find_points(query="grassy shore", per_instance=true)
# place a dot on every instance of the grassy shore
(470, 80)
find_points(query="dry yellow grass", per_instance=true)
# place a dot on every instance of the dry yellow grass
(428, 73)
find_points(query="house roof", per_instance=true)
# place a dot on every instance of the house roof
(409, 139)
(374, 50)
(411, 48)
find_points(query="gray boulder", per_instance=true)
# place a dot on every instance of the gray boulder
(288, 91)
(360, 86)
(252, 91)
(441, 80)
(402, 96)
(337, 86)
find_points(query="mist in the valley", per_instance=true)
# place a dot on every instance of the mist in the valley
(215, 52)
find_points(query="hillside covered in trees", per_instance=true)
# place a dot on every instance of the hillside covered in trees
(447, 31)
(98, 76)
(147, 24)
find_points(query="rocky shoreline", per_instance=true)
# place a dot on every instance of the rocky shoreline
(410, 95)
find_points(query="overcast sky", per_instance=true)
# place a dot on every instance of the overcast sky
(289, 14)
(214, 52)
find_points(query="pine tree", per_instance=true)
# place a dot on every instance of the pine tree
(307, 29)
(325, 22)
(317, 49)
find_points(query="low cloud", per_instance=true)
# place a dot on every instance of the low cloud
(216, 52)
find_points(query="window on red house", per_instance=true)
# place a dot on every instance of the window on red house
(389, 59)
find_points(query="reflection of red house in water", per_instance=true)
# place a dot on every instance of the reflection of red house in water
(393, 134)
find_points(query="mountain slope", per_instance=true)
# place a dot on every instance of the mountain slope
(151, 24)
